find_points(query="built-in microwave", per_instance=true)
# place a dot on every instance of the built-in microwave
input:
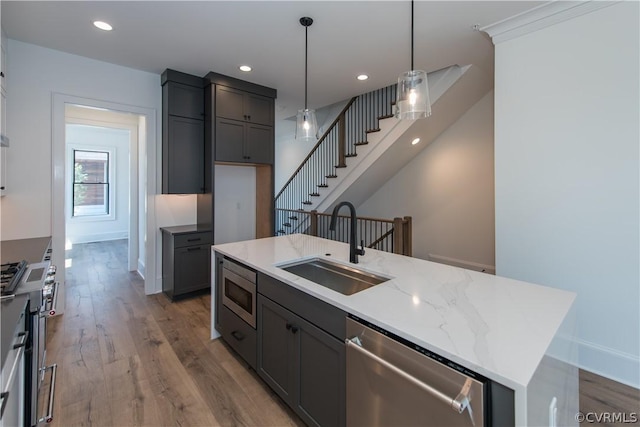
(239, 291)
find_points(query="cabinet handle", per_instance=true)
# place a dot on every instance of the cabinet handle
(1, 73)
(294, 329)
(237, 335)
(288, 326)
(197, 248)
(196, 239)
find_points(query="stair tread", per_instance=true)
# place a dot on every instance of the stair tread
(351, 155)
(322, 185)
(293, 218)
(332, 176)
(372, 130)
(341, 166)
(361, 143)
(314, 194)
(286, 224)
(307, 202)
(388, 116)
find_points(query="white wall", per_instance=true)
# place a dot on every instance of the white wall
(567, 175)
(116, 143)
(235, 207)
(35, 75)
(447, 189)
(289, 152)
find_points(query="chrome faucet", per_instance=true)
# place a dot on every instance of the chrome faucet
(353, 250)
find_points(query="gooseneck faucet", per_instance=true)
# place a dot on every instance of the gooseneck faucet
(353, 250)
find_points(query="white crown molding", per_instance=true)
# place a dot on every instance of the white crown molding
(540, 17)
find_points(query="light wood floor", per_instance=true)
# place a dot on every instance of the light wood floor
(126, 359)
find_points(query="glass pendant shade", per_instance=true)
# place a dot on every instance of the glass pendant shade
(306, 124)
(412, 100)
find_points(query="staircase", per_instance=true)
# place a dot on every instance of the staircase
(366, 145)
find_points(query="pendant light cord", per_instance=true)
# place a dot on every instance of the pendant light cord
(306, 49)
(411, 35)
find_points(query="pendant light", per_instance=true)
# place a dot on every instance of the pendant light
(412, 99)
(306, 124)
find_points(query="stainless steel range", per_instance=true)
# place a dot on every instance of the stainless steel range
(38, 281)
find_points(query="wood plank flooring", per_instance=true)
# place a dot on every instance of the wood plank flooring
(126, 359)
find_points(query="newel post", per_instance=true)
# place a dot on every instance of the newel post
(313, 227)
(398, 235)
(406, 237)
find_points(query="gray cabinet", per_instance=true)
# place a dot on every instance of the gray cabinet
(243, 142)
(303, 363)
(235, 104)
(183, 145)
(186, 259)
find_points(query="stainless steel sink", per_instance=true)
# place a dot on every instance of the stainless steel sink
(338, 277)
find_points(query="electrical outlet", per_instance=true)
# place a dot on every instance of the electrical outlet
(553, 412)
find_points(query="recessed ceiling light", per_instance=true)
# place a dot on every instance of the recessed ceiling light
(244, 68)
(415, 141)
(362, 77)
(103, 25)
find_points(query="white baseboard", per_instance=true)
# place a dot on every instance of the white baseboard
(490, 269)
(99, 237)
(610, 363)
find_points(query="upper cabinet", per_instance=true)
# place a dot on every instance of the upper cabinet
(242, 116)
(183, 147)
(245, 106)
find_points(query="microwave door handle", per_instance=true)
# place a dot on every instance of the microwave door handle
(458, 405)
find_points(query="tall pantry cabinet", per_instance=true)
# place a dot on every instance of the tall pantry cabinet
(239, 131)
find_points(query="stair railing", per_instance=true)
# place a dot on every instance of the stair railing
(349, 130)
(383, 234)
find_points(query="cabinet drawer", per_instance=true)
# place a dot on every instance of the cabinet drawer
(192, 239)
(239, 335)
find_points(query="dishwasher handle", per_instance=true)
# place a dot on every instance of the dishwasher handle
(459, 403)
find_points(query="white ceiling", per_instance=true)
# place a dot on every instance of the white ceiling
(347, 38)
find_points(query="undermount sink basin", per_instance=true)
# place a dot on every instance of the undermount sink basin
(338, 277)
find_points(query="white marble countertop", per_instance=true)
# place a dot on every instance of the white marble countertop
(498, 327)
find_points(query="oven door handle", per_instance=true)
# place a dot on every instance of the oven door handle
(5, 393)
(48, 417)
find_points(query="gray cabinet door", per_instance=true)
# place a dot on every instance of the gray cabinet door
(191, 269)
(183, 167)
(259, 144)
(303, 364)
(229, 143)
(259, 109)
(185, 101)
(230, 103)
(321, 386)
(275, 348)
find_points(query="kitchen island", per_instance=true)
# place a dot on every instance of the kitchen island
(514, 333)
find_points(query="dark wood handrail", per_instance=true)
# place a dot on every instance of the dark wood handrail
(381, 238)
(364, 218)
(320, 141)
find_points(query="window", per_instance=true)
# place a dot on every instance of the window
(90, 183)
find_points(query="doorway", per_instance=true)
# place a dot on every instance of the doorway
(143, 207)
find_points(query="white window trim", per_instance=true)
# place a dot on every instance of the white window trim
(111, 216)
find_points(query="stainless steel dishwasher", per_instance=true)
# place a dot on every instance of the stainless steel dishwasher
(391, 382)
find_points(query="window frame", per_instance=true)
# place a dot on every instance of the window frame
(111, 194)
